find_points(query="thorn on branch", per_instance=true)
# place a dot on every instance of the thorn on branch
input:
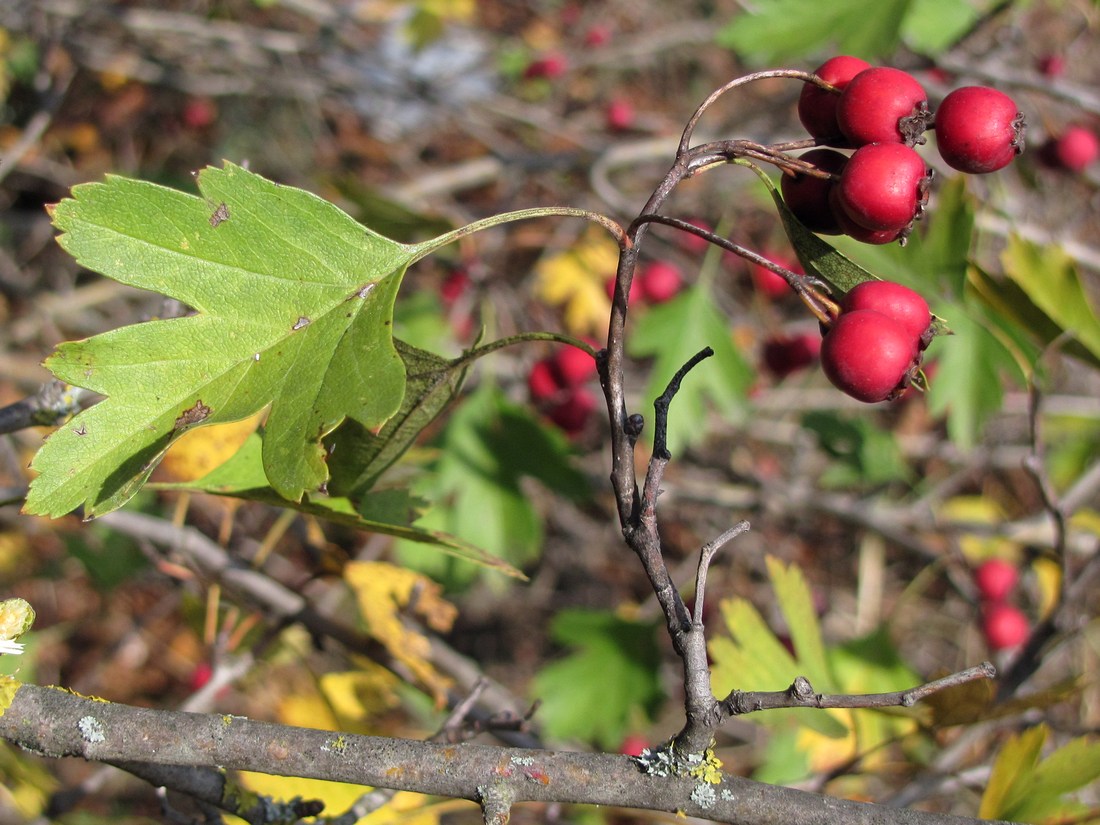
(661, 405)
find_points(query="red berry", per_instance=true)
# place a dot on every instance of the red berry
(635, 289)
(620, 114)
(1077, 149)
(660, 281)
(862, 233)
(199, 113)
(808, 196)
(693, 243)
(817, 107)
(633, 745)
(894, 301)
(456, 283)
(770, 284)
(1004, 626)
(200, 676)
(979, 129)
(542, 381)
(883, 186)
(996, 579)
(786, 354)
(598, 35)
(573, 412)
(876, 105)
(868, 356)
(573, 366)
(1052, 65)
(549, 66)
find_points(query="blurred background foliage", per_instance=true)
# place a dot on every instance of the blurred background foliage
(420, 115)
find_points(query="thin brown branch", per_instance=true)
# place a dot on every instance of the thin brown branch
(802, 695)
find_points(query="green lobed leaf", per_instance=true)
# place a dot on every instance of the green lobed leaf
(1072, 767)
(357, 456)
(294, 306)
(392, 512)
(863, 453)
(796, 603)
(674, 332)
(610, 684)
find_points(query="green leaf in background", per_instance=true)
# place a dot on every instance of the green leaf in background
(863, 453)
(968, 383)
(752, 657)
(675, 331)
(392, 512)
(608, 687)
(932, 26)
(294, 306)
(487, 453)
(1025, 787)
(1049, 277)
(790, 29)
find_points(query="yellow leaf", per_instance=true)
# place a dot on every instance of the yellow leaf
(359, 694)
(8, 688)
(383, 591)
(306, 709)
(576, 281)
(826, 752)
(403, 809)
(200, 450)
(1048, 576)
(1013, 772)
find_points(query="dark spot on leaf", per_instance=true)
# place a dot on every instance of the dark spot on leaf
(81, 430)
(220, 215)
(192, 415)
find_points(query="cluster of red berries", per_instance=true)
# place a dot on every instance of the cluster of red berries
(557, 386)
(876, 193)
(1003, 625)
(873, 349)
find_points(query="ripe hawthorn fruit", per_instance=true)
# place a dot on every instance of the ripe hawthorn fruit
(996, 579)
(808, 196)
(785, 354)
(817, 107)
(1004, 626)
(572, 413)
(771, 284)
(862, 233)
(882, 105)
(620, 114)
(550, 66)
(883, 186)
(869, 356)
(542, 381)
(573, 366)
(979, 130)
(660, 281)
(1077, 149)
(895, 301)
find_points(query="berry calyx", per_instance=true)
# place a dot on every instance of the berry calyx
(996, 579)
(807, 196)
(869, 356)
(817, 107)
(884, 186)
(882, 105)
(660, 281)
(1004, 627)
(894, 301)
(979, 130)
